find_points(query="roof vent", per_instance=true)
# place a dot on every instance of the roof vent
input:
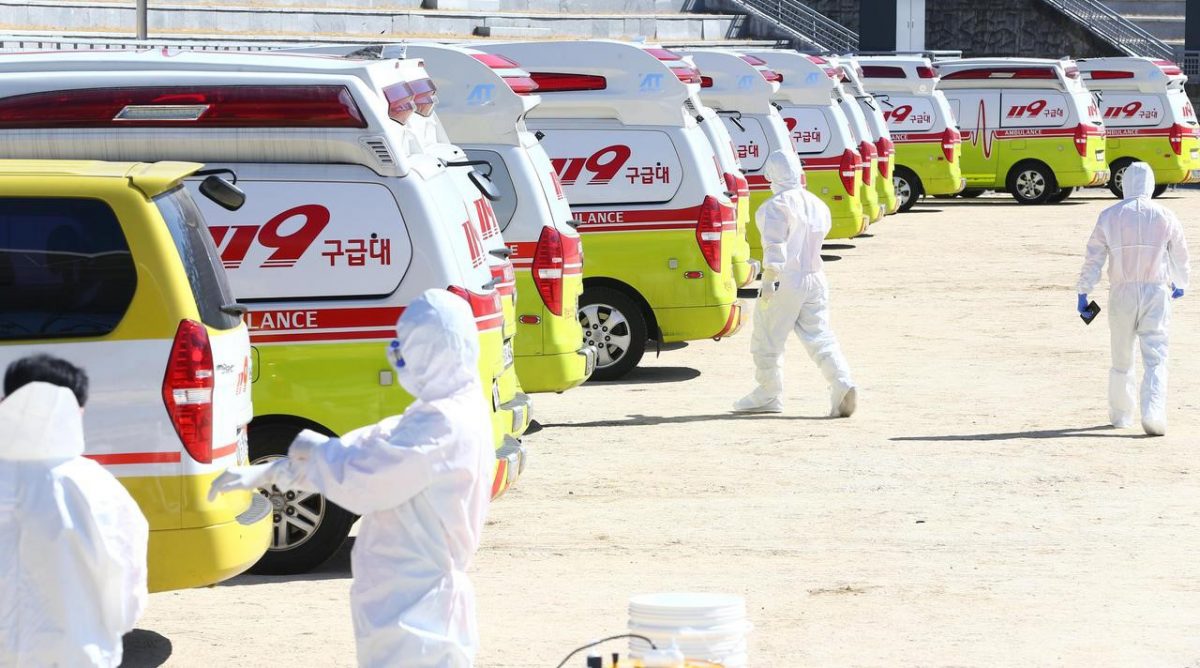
(378, 146)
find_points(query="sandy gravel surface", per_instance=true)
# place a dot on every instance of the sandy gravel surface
(977, 511)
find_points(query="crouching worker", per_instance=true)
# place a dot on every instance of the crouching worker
(422, 483)
(72, 540)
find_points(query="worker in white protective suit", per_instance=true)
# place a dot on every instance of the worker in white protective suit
(794, 295)
(73, 556)
(1148, 267)
(422, 483)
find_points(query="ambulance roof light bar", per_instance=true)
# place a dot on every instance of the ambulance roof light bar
(201, 106)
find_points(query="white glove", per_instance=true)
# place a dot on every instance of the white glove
(770, 280)
(302, 446)
(249, 477)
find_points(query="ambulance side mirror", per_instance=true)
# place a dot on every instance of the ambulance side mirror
(485, 186)
(224, 193)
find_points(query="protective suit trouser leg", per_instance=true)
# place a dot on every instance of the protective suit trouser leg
(1122, 323)
(812, 327)
(774, 319)
(1153, 322)
(1139, 314)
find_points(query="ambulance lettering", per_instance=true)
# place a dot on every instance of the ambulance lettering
(803, 137)
(603, 165)
(651, 83)
(590, 217)
(474, 244)
(487, 218)
(288, 247)
(1127, 111)
(904, 117)
(750, 150)
(1036, 109)
(285, 320)
(243, 377)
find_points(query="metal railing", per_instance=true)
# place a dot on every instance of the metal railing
(1191, 65)
(36, 42)
(1125, 35)
(806, 25)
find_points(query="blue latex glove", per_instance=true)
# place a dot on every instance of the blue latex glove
(1083, 302)
(1176, 293)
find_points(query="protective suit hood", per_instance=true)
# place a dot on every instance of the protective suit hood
(784, 171)
(1138, 181)
(40, 422)
(439, 344)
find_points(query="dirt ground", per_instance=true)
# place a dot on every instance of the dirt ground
(976, 511)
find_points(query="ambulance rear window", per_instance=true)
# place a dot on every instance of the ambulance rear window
(506, 206)
(65, 269)
(200, 259)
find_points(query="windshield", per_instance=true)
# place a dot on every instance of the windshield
(200, 260)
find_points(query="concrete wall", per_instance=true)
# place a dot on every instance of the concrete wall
(978, 28)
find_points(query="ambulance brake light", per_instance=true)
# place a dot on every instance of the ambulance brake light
(886, 149)
(1178, 132)
(754, 60)
(520, 85)
(688, 75)
(886, 72)
(867, 150)
(549, 261)
(926, 73)
(710, 223)
(664, 54)
(1004, 73)
(1102, 75)
(1168, 68)
(706, 82)
(185, 106)
(731, 186)
(482, 305)
(847, 170)
(187, 389)
(950, 141)
(559, 82)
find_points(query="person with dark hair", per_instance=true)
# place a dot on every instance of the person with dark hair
(73, 567)
(47, 369)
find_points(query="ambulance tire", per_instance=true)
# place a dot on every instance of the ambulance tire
(313, 548)
(908, 187)
(1116, 174)
(1061, 195)
(626, 344)
(1031, 182)
(971, 193)
(1158, 191)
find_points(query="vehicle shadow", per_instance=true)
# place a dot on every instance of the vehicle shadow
(1037, 434)
(838, 246)
(655, 420)
(643, 375)
(747, 293)
(831, 258)
(337, 568)
(919, 209)
(145, 649)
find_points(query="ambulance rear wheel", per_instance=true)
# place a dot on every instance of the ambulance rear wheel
(1159, 190)
(1062, 194)
(908, 187)
(613, 324)
(971, 193)
(1117, 177)
(1032, 183)
(307, 528)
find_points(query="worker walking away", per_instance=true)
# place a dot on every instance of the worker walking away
(73, 563)
(422, 483)
(794, 294)
(1143, 243)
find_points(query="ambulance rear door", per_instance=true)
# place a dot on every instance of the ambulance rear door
(978, 114)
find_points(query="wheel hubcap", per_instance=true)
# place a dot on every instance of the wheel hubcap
(607, 330)
(903, 189)
(1117, 179)
(1030, 184)
(296, 515)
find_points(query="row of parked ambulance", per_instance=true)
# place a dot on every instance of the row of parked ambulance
(371, 174)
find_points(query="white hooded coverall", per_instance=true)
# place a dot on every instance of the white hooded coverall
(793, 224)
(72, 540)
(422, 483)
(1146, 252)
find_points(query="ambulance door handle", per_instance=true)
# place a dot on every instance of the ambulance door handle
(490, 285)
(573, 223)
(502, 253)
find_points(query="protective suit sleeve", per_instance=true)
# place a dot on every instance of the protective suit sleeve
(1177, 253)
(379, 467)
(773, 221)
(1093, 261)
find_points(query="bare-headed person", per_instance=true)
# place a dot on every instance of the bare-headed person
(73, 563)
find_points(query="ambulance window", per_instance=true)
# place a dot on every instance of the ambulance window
(808, 127)
(506, 206)
(65, 269)
(955, 110)
(200, 259)
(1037, 109)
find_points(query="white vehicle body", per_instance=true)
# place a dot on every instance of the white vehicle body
(872, 112)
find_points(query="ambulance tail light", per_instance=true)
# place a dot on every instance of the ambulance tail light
(482, 305)
(1102, 75)
(559, 82)
(520, 84)
(926, 73)
(706, 82)
(1178, 132)
(549, 261)
(761, 66)
(1082, 132)
(847, 170)
(886, 149)
(743, 186)
(867, 151)
(950, 141)
(709, 225)
(688, 75)
(731, 185)
(187, 389)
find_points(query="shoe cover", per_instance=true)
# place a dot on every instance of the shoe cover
(1154, 426)
(755, 403)
(845, 400)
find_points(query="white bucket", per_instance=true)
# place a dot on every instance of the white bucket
(709, 627)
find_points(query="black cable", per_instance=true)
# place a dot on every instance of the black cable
(604, 640)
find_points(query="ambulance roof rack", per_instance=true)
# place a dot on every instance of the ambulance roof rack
(807, 79)
(1002, 72)
(931, 54)
(1138, 73)
(638, 84)
(733, 81)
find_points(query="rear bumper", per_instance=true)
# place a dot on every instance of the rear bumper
(1082, 179)
(745, 272)
(942, 185)
(202, 556)
(733, 323)
(694, 323)
(510, 464)
(519, 407)
(556, 373)
(850, 224)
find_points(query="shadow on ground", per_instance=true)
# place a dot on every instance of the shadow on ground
(337, 568)
(1101, 431)
(831, 258)
(652, 374)
(145, 649)
(654, 420)
(838, 246)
